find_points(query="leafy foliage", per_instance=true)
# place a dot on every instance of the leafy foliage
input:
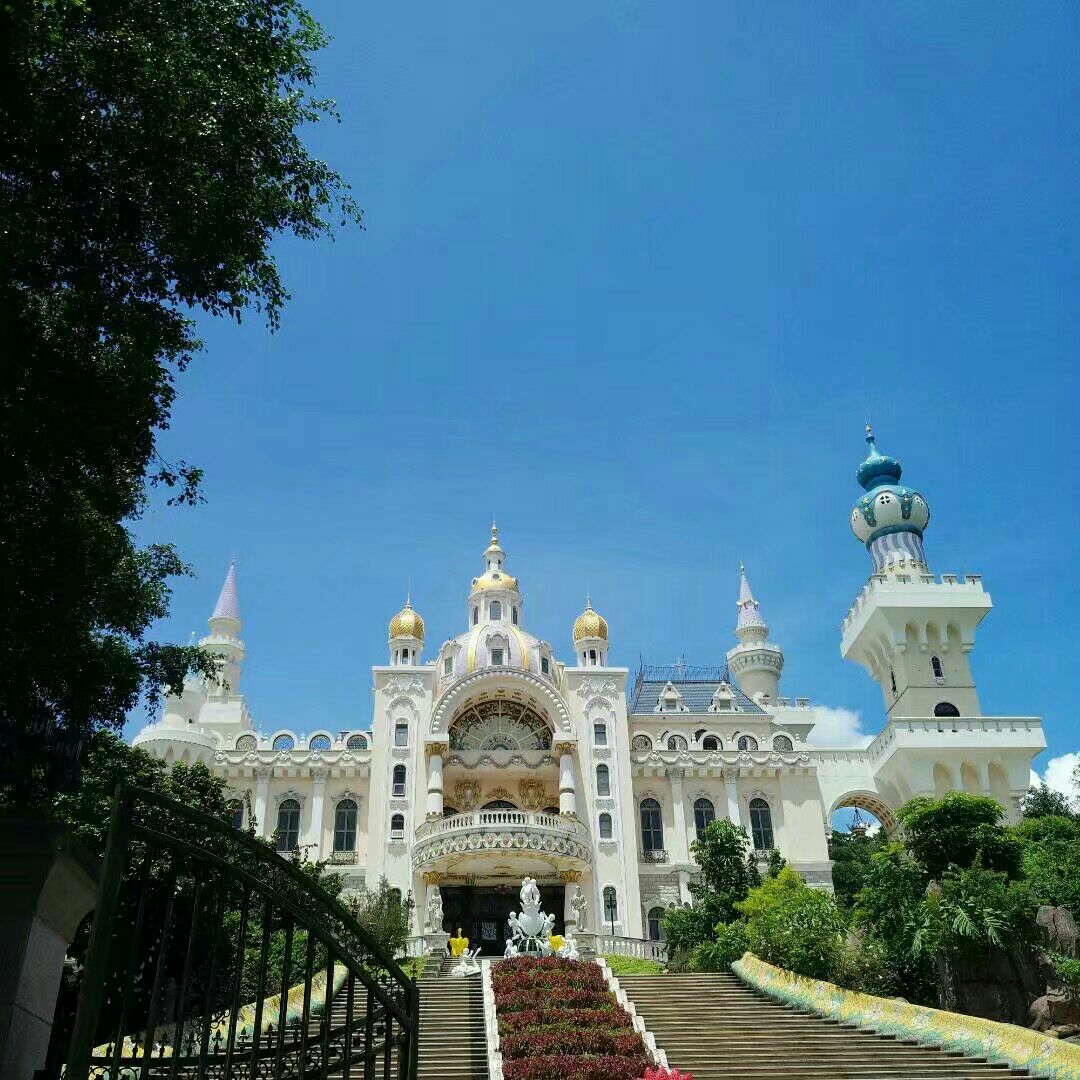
(1050, 859)
(382, 912)
(150, 152)
(728, 945)
(851, 853)
(1044, 801)
(1067, 969)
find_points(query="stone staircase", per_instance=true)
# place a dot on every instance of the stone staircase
(720, 1029)
(452, 1043)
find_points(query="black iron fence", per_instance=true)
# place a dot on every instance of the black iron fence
(212, 956)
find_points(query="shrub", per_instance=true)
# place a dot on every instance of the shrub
(864, 964)
(625, 1043)
(730, 943)
(660, 1073)
(516, 1000)
(1067, 969)
(569, 1067)
(564, 1019)
(632, 965)
(546, 973)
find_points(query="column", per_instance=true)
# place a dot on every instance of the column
(434, 752)
(787, 830)
(567, 784)
(315, 826)
(262, 797)
(732, 788)
(680, 849)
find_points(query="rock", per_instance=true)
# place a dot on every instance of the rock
(1051, 1034)
(1054, 1010)
(1065, 1031)
(1060, 927)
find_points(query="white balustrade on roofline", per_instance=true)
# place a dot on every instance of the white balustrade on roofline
(487, 820)
(637, 948)
(951, 725)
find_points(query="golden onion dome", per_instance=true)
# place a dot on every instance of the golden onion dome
(494, 579)
(407, 623)
(589, 624)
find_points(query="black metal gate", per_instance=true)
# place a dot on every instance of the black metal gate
(212, 956)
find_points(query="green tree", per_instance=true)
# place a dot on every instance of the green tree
(1050, 859)
(958, 830)
(851, 854)
(149, 155)
(1044, 801)
(384, 913)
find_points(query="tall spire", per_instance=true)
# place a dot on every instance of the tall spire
(755, 662)
(228, 601)
(749, 609)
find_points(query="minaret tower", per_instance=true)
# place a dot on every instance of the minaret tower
(224, 638)
(590, 637)
(755, 662)
(495, 596)
(406, 636)
(911, 632)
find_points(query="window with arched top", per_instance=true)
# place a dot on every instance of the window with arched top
(247, 742)
(710, 742)
(656, 924)
(747, 742)
(495, 609)
(782, 742)
(936, 667)
(319, 742)
(605, 827)
(603, 780)
(475, 615)
(448, 665)
(397, 827)
(704, 814)
(946, 708)
(652, 825)
(236, 813)
(761, 824)
(356, 742)
(611, 904)
(288, 825)
(399, 781)
(676, 742)
(641, 742)
(284, 742)
(514, 615)
(345, 825)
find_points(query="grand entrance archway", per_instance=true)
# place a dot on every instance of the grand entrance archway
(480, 911)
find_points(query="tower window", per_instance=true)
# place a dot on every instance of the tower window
(497, 657)
(514, 615)
(288, 825)
(399, 781)
(946, 708)
(495, 610)
(401, 734)
(448, 666)
(603, 781)
(345, 826)
(475, 615)
(652, 827)
(592, 657)
(936, 667)
(600, 734)
(545, 665)
(605, 826)
(404, 656)
(397, 827)
(761, 824)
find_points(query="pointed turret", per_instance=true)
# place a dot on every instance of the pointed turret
(224, 636)
(755, 662)
(494, 595)
(228, 601)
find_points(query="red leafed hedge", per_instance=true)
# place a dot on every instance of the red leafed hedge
(558, 1021)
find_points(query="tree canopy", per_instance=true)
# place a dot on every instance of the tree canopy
(150, 151)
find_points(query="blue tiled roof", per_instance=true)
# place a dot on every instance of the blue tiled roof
(696, 685)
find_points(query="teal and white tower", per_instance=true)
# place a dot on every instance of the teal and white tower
(911, 631)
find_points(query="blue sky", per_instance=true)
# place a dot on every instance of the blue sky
(633, 278)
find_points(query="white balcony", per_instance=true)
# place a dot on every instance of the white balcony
(483, 841)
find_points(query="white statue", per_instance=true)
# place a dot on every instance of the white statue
(569, 949)
(530, 930)
(435, 911)
(467, 965)
(579, 905)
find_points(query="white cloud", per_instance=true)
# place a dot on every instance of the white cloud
(1059, 773)
(837, 727)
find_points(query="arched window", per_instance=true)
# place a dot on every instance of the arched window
(399, 781)
(782, 742)
(611, 905)
(603, 780)
(448, 665)
(599, 731)
(652, 826)
(761, 824)
(236, 813)
(514, 615)
(247, 742)
(936, 668)
(284, 742)
(397, 827)
(404, 656)
(495, 609)
(345, 826)
(475, 615)
(747, 742)
(356, 742)
(710, 742)
(319, 742)
(946, 708)
(676, 742)
(498, 804)
(551, 810)
(288, 825)
(605, 827)
(641, 742)
(656, 924)
(704, 814)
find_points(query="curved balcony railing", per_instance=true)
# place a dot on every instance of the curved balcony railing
(479, 831)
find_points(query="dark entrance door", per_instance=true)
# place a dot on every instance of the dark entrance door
(480, 911)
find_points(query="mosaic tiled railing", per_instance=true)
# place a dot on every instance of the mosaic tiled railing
(1019, 1047)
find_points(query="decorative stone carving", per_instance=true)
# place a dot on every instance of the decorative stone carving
(530, 930)
(466, 794)
(409, 685)
(500, 794)
(532, 794)
(593, 685)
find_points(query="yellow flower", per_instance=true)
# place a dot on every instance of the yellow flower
(556, 942)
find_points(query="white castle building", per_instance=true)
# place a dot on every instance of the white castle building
(497, 760)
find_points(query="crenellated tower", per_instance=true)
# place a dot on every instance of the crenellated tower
(909, 630)
(755, 662)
